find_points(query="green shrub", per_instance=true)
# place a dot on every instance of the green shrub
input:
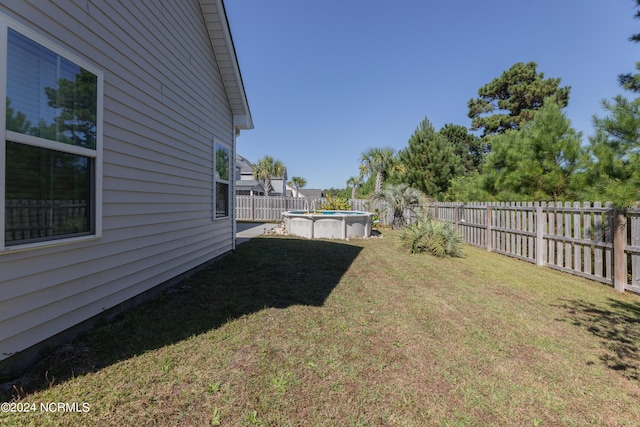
(429, 235)
(335, 203)
(397, 199)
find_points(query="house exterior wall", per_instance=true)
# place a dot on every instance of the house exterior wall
(165, 107)
(279, 185)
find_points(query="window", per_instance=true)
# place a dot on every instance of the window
(52, 142)
(221, 174)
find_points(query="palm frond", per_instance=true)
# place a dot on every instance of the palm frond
(428, 235)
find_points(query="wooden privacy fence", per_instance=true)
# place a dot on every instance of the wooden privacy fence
(32, 219)
(270, 208)
(588, 240)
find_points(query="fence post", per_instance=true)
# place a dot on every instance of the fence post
(489, 231)
(456, 218)
(619, 258)
(635, 241)
(540, 226)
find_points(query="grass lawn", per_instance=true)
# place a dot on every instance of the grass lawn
(297, 332)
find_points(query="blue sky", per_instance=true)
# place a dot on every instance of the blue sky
(327, 80)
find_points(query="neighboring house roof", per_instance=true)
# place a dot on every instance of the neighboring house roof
(225, 52)
(312, 193)
(246, 167)
(247, 184)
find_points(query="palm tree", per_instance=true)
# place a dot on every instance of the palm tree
(297, 183)
(354, 182)
(430, 235)
(397, 198)
(264, 169)
(378, 161)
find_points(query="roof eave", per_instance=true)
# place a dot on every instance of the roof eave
(215, 17)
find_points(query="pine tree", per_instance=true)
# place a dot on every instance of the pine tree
(537, 162)
(509, 101)
(430, 161)
(614, 173)
(470, 148)
(631, 81)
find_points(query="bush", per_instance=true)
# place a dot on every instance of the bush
(335, 203)
(397, 198)
(429, 235)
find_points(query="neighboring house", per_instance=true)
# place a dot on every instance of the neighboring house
(247, 185)
(311, 193)
(279, 185)
(292, 192)
(127, 186)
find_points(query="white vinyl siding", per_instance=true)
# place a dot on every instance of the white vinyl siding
(164, 104)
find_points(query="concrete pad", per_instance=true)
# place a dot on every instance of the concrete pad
(247, 230)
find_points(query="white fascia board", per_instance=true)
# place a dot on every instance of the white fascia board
(242, 122)
(217, 23)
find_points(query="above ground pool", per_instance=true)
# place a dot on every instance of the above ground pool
(328, 224)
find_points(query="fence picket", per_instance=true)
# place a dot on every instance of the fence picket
(518, 228)
(577, 248)
(531, 253)
(598, 238)
(588, 250)
(550, 229)
(608, 252)
(559, 220)
(635, 248)
(568, 256)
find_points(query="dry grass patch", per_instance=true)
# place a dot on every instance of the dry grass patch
(297, 332)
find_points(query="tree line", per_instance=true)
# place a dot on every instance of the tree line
(520, 147)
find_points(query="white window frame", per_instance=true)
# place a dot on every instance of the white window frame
(95, 154)
(217, 180)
